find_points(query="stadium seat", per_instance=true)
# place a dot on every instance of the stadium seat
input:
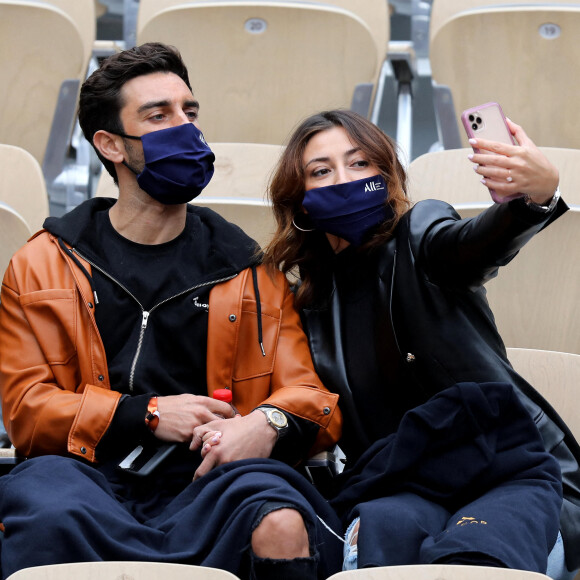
(437, 572)
(374, 13)
(121, 571)
(242, 169)
(535, 297)
(542, 273)
(13, 234)
(444, 10)
(254, 216)
(23, 208)
(83, 14)
(396, 58)
(522, 56)
(22, 185)
(448, 175)
(556, 376)
(259, 67)
(100, 8)
(33, 67)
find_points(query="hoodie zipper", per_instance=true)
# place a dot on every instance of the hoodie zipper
(145, 314)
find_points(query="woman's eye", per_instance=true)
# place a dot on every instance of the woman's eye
(320, 172)
(361, 163)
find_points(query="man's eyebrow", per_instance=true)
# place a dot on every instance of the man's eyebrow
(152, 105)
(326, 159)
(164, 103)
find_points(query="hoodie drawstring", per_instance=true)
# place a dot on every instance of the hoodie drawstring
(83, 269)
(259, 308)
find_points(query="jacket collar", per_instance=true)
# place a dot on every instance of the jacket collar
(228, 241)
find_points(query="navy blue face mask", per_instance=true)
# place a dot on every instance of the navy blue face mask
(348, 210)
(178, 164)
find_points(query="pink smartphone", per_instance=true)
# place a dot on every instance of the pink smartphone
(488, 122)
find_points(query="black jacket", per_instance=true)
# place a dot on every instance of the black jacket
(430, 279)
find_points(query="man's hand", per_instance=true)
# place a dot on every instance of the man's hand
(242, 438)
(179, 415)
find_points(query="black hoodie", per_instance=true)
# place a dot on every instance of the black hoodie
(151, 303)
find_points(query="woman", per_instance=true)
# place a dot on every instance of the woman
(392, 300)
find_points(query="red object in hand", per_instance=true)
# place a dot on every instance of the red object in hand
(223, 395)
(226, 396)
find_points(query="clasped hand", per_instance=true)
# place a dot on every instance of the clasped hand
(205, 422)
(226, 440)
(179, 415)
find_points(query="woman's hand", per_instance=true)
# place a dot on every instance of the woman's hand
(514, 169)
(240, 438)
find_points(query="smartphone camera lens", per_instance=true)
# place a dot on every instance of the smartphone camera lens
(478, 120)
(471, 118)
(474, 126)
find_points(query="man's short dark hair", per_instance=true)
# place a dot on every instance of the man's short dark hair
(100, 100)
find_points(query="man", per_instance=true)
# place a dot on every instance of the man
(117, 324)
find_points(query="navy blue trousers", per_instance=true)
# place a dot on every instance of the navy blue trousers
(58, 510)
(466, 473)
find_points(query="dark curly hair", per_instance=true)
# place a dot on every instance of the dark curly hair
(100, 101)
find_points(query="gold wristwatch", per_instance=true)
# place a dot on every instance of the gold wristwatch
(276, 419)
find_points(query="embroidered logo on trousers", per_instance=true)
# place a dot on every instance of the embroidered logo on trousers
(464, 521)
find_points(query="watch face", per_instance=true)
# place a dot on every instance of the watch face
(278, 419)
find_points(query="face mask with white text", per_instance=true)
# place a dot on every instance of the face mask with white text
(349, 210)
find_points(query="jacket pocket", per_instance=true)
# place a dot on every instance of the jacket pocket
(250, 362)
(52, 316)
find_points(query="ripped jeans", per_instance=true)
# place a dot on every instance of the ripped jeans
(274, 569)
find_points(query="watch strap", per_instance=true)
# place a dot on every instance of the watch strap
(152, 417)
(544, 208)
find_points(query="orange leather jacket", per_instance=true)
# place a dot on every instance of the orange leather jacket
(56, 395)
